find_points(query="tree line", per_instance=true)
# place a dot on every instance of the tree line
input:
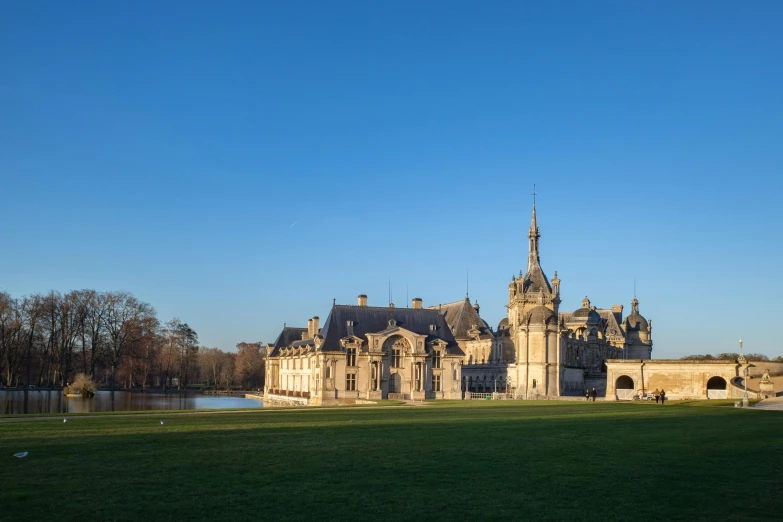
(730, 356)
(118, 340)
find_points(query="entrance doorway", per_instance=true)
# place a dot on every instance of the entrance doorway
(716, 388)
(624, 388)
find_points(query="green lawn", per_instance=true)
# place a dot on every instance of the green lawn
(467, 461)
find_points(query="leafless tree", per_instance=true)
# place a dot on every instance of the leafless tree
(122, 322)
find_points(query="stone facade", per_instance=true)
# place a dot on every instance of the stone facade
(366, 353)
(540, 350)
(681, 379)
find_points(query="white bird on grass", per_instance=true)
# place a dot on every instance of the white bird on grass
(163, 423)
(65, 420)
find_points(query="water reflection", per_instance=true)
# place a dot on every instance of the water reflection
(39, 401)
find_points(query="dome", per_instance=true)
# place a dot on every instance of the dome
(586, 316)
(503, 324)
(636, 321)
(541, 314)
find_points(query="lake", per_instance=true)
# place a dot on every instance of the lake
(39, 401)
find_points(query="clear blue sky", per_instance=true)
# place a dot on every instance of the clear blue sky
(239, 166)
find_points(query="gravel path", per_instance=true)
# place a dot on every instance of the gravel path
(770, 404)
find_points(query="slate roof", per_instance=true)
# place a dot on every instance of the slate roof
(536, 281)
(636, 322)
(287, 337)
(461, 316)
(585, 315)
(541, 314)
(373, 319)
(611, 322)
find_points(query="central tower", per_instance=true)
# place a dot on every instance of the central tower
(533, 322)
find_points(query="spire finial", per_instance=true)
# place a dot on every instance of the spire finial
(533, 236)
(467, 282)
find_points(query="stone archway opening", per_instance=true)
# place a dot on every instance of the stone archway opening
(717, 388)
(624, 388)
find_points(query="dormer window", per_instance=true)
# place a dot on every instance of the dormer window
(392, 323)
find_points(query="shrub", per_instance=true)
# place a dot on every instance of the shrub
(83, 384)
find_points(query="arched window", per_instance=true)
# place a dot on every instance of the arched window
(534, 383)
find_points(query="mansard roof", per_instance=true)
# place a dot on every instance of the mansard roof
(374, 319)
(287, 337)
(462, 317)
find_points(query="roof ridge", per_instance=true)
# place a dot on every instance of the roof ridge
(357, 307)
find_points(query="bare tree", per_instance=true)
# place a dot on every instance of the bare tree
(32, 310)
(94, 311)
(122, 322)
(10, 338)
(227, 370)
(210, 361)
(249, 365)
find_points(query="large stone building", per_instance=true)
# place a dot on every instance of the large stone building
(543, 351)
(443, 351)
(366, 353)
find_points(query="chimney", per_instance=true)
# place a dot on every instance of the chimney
(309, 328)
(315, 321)
(617, 311)
(362, 300)
(416, 302)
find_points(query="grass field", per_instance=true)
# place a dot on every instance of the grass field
(453, 460)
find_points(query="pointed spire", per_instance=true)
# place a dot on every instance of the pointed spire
(533, 235)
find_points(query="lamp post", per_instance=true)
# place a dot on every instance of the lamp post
(745, 374)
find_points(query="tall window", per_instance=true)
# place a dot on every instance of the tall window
(436, 382)
(350, 356)
(395, 383)
(396, 358)
(350, 382)
(436, 359)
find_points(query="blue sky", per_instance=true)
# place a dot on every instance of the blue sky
(167, 148)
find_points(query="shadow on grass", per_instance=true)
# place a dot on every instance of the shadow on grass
(578, 462)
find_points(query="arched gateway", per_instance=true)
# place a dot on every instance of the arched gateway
(716, 388)
(624, 388)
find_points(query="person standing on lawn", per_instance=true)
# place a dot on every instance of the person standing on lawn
(595, 393)
(663, 396)
(587, 395)
(657, 395)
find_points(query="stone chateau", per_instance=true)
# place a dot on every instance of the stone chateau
(446, 351)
